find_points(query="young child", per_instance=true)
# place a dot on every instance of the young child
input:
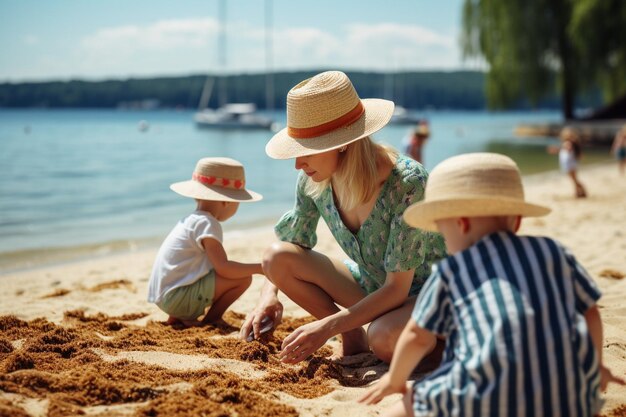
(569, 155)
(192, 271)
(519, 316)
(619, 149)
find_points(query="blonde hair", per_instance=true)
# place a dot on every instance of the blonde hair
(356, 179)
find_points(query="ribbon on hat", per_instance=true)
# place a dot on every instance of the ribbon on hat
(319, 130)
(218, 181)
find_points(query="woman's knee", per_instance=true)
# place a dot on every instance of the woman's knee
(277, 259)
(382, 340)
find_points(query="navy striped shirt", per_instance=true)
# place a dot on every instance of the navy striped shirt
(517, 344)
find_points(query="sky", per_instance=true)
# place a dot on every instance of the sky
(118, 39)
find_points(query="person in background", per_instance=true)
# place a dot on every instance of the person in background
(569, 154)
(619, 149)
(416, 141)
(519, 314)
(360, 188)
(192, 279)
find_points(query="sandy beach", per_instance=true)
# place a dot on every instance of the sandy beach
(80, 338)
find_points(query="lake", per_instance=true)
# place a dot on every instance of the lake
(91, 181)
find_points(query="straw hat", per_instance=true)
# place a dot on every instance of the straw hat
(422, 130)
(472, 185)
(218, 179)
(325, 113)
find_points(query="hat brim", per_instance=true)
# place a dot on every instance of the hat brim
(194, 189)
(377, 114)
(423, 215)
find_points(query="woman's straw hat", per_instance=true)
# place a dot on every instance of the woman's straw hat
(325, 113)
(472, 185)
(217, 179)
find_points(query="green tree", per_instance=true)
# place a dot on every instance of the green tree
(525, 43)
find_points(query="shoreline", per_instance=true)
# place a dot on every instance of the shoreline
(36, 258)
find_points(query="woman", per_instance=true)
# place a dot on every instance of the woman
(361, 189)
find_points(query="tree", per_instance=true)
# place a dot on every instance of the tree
(526, 43)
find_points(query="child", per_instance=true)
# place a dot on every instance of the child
(619, 149)
(569, 155)
(416, 141)
(192, 271)
(519, 316)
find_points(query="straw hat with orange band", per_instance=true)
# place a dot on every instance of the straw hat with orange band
(326, 113)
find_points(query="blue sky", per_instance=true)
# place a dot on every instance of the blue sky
(101, 39)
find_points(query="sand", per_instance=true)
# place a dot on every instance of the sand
(80, 339)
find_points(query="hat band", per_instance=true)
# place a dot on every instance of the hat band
(217, 181)
(319, 130)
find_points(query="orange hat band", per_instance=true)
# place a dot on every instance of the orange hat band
(217, 181)
(319, 130)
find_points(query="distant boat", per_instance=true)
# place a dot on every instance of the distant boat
(233, 116)
(402, 116)
(228, 115)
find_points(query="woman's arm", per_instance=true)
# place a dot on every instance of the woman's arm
(224, 267)
(267, 306)
(308, 338)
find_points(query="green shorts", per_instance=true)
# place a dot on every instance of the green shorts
(189, 302)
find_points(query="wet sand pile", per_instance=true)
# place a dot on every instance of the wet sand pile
(98, 360)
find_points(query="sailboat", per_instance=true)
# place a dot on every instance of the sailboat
(401, 115)
(229, 115)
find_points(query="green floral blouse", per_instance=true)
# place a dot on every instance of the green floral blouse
(384, 243)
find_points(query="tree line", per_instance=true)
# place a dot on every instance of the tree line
(463, 90)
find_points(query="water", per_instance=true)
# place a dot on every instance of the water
(89, 181)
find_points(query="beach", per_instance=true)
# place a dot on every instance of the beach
(80, 337)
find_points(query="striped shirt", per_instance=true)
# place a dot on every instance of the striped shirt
(517, 344)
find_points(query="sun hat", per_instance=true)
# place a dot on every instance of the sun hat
(218, 179)
(472, 185)
(324, 113)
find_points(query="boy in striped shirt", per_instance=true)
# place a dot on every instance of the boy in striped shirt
(518, 313)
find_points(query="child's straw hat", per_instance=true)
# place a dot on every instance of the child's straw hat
(472, 185)
(217, 179)
(325, 113)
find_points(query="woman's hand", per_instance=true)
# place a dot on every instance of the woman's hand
(304, 341)
(381, 389)
(268, 307)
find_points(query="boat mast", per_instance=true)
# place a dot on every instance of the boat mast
(221, 50)
(269, 55)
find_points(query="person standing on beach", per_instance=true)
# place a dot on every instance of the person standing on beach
(192, 280)
(619, 149)
(569, 154)
(360, 189)
(519, 314)
(416, 142)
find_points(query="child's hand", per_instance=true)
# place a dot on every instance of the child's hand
(606, 377)
(381, 389)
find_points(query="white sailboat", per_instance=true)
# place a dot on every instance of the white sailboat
(229, 115)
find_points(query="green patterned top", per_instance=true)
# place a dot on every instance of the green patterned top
(384, 243)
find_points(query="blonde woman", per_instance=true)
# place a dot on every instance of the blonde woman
(360, 189)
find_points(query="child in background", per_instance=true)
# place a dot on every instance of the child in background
(518, 313)
(569, 155)
(416, 142)
(192, 271)
(619, 149)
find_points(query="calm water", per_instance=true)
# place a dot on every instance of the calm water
(91, 180)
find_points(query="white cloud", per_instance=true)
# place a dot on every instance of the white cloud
(185, 46)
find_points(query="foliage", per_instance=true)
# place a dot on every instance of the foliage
(533, 46)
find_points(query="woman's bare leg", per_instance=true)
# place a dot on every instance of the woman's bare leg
(383, 334)
(316, 283)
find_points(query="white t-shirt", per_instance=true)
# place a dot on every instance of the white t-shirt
(181, 260)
